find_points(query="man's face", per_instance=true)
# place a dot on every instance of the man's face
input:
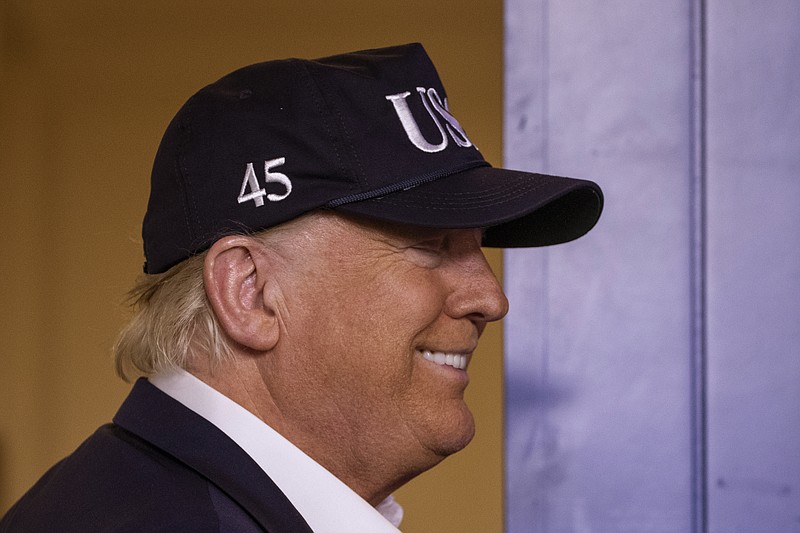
(365, 306)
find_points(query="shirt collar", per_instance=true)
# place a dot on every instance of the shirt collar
(326, 503)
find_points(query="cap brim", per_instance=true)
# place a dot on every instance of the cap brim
(518, 209)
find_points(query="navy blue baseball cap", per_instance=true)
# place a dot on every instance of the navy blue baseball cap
(367, 133)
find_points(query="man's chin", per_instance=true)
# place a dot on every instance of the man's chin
(458, 436)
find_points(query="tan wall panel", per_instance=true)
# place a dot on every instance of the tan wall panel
(86, 89)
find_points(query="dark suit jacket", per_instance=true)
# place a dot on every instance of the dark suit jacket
(158, 467)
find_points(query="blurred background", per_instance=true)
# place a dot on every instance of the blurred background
(87, 87)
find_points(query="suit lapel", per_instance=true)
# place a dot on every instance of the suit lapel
(159, 419)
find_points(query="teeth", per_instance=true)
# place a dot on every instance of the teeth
(456, 360)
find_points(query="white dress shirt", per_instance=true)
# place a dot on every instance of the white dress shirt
(325, 502)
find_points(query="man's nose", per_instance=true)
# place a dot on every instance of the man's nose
(476, 293)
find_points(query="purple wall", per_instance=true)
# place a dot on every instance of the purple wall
(653, 373)
(753, 319)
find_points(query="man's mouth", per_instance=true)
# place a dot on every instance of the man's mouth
(456, 360)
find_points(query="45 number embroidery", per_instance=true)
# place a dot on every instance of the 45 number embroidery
(257, 193)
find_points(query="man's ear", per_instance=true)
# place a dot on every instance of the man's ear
(235, 285)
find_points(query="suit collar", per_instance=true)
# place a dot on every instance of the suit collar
(167, 424)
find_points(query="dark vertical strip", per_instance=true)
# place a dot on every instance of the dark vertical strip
(545, 88)
(544, 426)
(545, 143)
(698, 265)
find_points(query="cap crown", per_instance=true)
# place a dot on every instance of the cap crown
(274, 140)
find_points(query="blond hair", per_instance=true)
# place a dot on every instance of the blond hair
(171, 320)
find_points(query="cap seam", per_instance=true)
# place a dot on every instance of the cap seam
(190, 204)
(319, 99)
(485, 201)
(410, 183)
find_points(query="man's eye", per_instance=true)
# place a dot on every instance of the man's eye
(430, 246)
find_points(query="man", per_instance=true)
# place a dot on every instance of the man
(314, 288)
